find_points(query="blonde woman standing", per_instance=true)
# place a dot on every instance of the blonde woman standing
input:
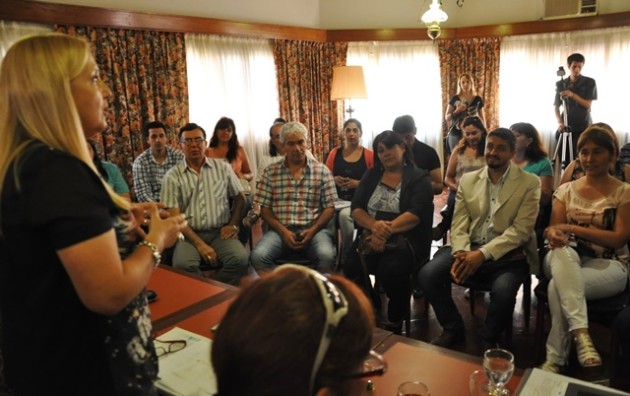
(464, 103)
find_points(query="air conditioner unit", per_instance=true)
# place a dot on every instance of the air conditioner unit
(561, 9)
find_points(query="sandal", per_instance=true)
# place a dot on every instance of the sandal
(586, 353)
(551, 367)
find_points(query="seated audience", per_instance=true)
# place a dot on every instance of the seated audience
(495, 213)
(295, 332)
(201, 188)
(463, 104)
(152, 164)
(297, 198)
(467, 156)
(393, 208)
(348, 163)
(618, 169)
(109, 172)
(588, 257)
(424, 156)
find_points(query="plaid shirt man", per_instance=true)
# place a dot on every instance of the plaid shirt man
(148, 174)
(297, 203)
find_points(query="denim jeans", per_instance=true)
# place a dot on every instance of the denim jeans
(505, 277)
(321, 251)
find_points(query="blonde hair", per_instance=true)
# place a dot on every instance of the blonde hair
(36, 102)
(472, 83)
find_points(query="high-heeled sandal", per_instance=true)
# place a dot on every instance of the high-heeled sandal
(551, 367)
(586, 353)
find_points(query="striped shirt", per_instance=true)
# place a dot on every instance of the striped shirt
(203, 197)
(297, 202)
(148, 174)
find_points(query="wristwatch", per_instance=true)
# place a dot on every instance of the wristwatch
(157, 257)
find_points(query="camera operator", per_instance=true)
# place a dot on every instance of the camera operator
(578, 92)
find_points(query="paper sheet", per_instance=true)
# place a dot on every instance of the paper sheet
(542, 383)
(187, 372)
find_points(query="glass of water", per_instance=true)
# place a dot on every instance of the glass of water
(499, 367)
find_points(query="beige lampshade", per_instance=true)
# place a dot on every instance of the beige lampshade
(348, 83)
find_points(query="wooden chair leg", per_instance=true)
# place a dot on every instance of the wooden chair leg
(471, 300)
(527, 299)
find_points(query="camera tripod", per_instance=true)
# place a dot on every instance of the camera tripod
(564, 146)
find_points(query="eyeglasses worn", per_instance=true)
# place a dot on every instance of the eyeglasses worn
(196, 140)
(163, 348)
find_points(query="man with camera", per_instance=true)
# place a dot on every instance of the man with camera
(575, 94)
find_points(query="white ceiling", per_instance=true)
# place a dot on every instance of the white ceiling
(347, 14)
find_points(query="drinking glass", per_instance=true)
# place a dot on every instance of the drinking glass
(499, 367)
(413, 388)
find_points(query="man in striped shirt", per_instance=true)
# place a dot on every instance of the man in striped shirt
(201, 188)
(297, 198)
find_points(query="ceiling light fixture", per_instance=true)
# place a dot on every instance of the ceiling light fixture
(433, 17)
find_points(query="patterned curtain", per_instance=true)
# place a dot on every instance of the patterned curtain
(304, 71)
(146, 72)
(480, 57)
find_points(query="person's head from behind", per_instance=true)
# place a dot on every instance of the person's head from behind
(500, 148)
(275, 144)
(294, 137)
(392, 152)
(406, 127)
(474, 134)
(352, 132)
(466, 83)
(293, 332)
(597, 147)
(50, 91)
(575, 62)
(528, 141)
(154, 133)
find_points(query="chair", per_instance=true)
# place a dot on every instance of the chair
(602, 311)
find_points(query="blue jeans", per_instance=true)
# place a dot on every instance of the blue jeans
(321, 251)
(505, 277)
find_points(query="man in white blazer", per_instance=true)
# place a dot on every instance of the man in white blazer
(495, 214)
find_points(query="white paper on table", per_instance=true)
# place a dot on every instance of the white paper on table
(187, 372)
(537, 382)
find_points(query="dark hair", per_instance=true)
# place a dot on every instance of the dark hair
(477, 123)
(390, 139)
(601, 137)
(404, 124)
(273, 151)
(97, 161)
(267, 341)
(191, 126)
(505, 134)
(535, 151)
(575, 58)
(152, 125)
(233, 145)
(348, 121)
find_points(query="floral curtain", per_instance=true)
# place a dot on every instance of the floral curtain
(304, 71)
(480, 57)
(146, 72)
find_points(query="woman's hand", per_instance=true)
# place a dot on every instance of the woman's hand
(557, 237)
(164, 232)
(381, 229)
